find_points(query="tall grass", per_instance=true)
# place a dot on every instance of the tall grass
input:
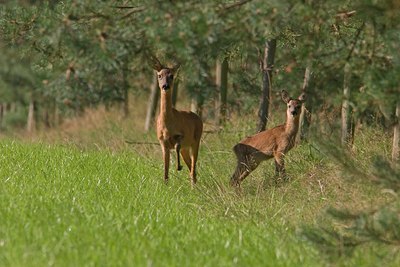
(91, 199)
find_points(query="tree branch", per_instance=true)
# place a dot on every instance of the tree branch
(356, 38)
(227, 7)
(133, 11)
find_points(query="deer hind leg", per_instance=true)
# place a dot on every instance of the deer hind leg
(245, 166)
(166, 156)
(178, 139)
(251, 164)
(239, 167)
(240, 173)
(178, 158)
(194, 151)
(186, 157)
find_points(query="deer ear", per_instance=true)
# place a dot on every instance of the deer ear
(176, 67)
(155, 63)
(285, 96)
(302, 97)
(157, 67)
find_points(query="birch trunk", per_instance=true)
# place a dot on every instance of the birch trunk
(31, 124)
(346, 112)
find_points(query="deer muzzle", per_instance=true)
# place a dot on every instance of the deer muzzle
(165, 86)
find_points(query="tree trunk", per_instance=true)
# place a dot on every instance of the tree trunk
(196, 104)
(126, 92)
(175, 92)
(221, 82)
(52, 113)
(396, 134)
(266, 64)
(152, 105)
(31, 124)
(13, 107)
(301, 133)
(46, 117)
(1, 116)
(5, 110)
(57, 115)
(346, 112)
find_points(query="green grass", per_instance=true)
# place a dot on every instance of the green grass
(63, 206)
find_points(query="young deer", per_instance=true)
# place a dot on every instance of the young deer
(272, 143)
(179, 130)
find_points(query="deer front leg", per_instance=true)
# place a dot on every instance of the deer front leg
(280, 166)
(166, 155)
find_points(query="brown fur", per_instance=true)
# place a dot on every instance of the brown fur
(272, 143)
(179, 130)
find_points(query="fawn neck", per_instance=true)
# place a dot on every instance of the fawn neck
(166, 105)
(292, 124)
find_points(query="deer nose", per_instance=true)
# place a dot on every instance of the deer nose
(165, 86)
(294, 113)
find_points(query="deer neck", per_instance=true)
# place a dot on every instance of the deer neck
(166, 105)
(292, 124)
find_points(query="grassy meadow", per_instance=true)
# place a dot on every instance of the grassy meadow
(83, 196)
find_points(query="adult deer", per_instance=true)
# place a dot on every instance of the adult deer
(179, 130)
(272, 143)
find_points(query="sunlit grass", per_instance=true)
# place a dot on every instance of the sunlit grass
(62, 206)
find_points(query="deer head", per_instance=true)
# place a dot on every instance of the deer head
(165, 75)
(293, 105)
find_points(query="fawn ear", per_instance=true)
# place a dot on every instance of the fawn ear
(302, 97)
(285, 96)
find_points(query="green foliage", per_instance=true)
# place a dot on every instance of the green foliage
(347, 229)
(15, 120)
(81, 49)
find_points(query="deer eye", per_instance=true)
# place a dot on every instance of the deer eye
(290, 106)
(159, 76)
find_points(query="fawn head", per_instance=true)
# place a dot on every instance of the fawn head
(165, 75)
(293, 105)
